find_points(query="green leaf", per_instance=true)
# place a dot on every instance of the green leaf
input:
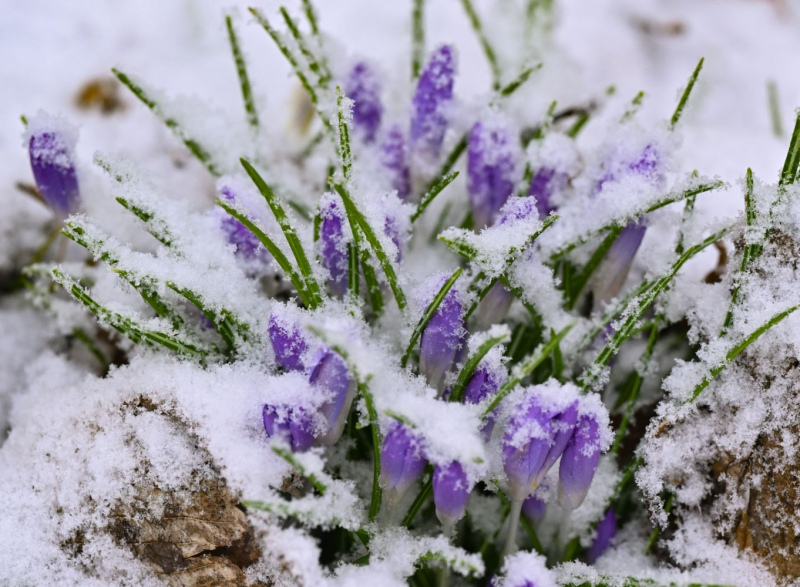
(429, 312)
(789, 172)
(196, 148)
(488, 50)
(241, 71)
(353, 214)
(472, 363)
(417, 37)
(514, 85)
(345, 155)
(287, 456)
(676, 116)
(289, 232)
(317, 67)
(750, 250)
(449, 161)
(576, 287)
(274, 250)
(421, 498)
(434, 191)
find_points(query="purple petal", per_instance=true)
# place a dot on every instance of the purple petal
(482, 384)
(402, 462)
(492, 166)
(526, 442)
(563, 425)
(517, 209)
(288, 343)
(534, 508)
(451, 491)
(54, 171)
(606, 531)
(431, 101)
(247, 244)
(394, 158)
(364, 89)
(441, 339)
(329, 372)
(579, 462)
(612, 272)
(293, 425)
(545, 183)
(333, 248)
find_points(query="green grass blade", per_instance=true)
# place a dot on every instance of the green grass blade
(289, 231)
(417, 38)
(472, 363)
(420, 500)
(774, 108)
(345, 154)
(274, 250)
(526, 367)
(373, 287)
(223, 321)
(317, 67)
(434, 191)
(429, 312)
(353, 214)
(737, 350)
(789, 171)
(449, 161)
(311, 16)
(196, 148)
(514, 85)
(294, 463)
(597, 257)
(747, 254)
(676, 116)
(241, 71)
(488, 50)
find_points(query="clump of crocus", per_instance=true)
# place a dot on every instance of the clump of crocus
(451, 489)
(402, 462)
(333, 244)
(493, 165)
(51, 147)
(606, 531)
(394, 158)
(442, 337)
(431, 102)
(580, 458)
(363, 87)
(288, 342)
(329, 374)
(292, 424)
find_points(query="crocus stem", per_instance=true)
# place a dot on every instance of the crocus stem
(513, 524)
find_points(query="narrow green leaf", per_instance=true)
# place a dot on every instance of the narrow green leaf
(289, 232)
(514, 85)
(789, 172)
(750, 250)
(196, 148)
(311, 16)
(274, 250)
(317, 67)
(345, 155)
(373, 286)
(241, 71)
(472, 363)
(422, 497)
(488, 50)
(353, 214)
(774, 108)
(289, 458)
(434, 191)
(576, 287)
(449, 161)
(417, 38)
(429, 312)
(676, 116)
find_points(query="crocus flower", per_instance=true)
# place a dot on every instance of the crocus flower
(363, 88)
(288, 343)
(606, 531)
(563, 424)
(483, 383)
(493, 157)
(441, 339)
(545, 183)
(579, 462)
(402, 462)
(51, 155)
(329, 373)
(610, 276)
(451, 490)
(526, 443)
(247, 244)
(534, 508)
(293, 425)
(431, 101)
(333, 247)
(394, 158)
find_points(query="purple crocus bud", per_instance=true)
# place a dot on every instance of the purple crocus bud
(292, 424)
(526, 443)
(610, 276)
(51, 146)
(563, 424)
(363, 87)
(394, 158)
(451, 490)
(484, 383)
(579, 461)
(545, 183)
(646, 165)
(606, 531)
(534, 508)
(493, 157)
(333, 245)
(402, 462)
(288, 343)
(247, 244)
(330, 374)
(431, 101)
(441, 338)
